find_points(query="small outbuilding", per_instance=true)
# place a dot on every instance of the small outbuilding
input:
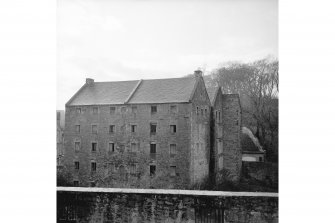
(252, 151)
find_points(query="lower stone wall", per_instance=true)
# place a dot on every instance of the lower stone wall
(122, 207)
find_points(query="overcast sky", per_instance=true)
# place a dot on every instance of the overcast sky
(144, 39)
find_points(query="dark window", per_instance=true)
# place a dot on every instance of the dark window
(133, 109)
(123, 110)
(173, 150)
(58, 116)
(202, 112)
(94, 146)
(77, 146)
(260, 159)
(173, 128)
(75, 183)
(152, 170)
(93, 166)
(111, 147)
(197, 110)
(153, 151)
(112, 110)
(153, 128)
(111, 128)
(76, 165)
(153, 109)
(133, 128)
(173, 109)
(205, 111)
(77, 128)
(92, 184)
(94, 129)
(173, 171)
(95, 110)
(78, 110)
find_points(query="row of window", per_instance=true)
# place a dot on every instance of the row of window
(202, 111)
(134, 147)
(123, 109)
(133, 128)
(133, 168)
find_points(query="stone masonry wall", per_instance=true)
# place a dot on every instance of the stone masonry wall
(232, 154)
(115, 169)
(200, 135)
(217, 137)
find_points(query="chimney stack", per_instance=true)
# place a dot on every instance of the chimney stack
(89, 81)
(198, 73)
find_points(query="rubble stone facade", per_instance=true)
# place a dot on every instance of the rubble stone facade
(142, 145)
(226, 136)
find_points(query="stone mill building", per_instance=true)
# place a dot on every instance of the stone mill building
(148, 133)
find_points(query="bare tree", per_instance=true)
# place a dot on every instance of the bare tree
(257, 83)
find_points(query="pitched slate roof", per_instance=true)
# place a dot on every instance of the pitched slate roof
(172, 90)
(249, 142)
(212, 92)
(104, 93)
(164, 90)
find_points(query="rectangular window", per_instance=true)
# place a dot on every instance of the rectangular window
(94, 146)
(76, 183)
(205, 111)
(152, 150)
(202, 112)
(133, 147)
(133, 128)
(173, 128)
(112, 110)
(92, 184)
(111, 147)
(173, 109)
(220, 147)
(93, 166)
(260, 159)
(78, 110)
(173, 171)
(123, 110)
(111, 128)
(219, 116)
(153, 109)
(58, 116)
(77, 128)
(153, 128)
(220, 162)
(76, 165)
(152, 170)
(173, 150)
(133, 169)
(76, 146)
(197, 110)
(134, 109)
(95, 110)
(94, 129)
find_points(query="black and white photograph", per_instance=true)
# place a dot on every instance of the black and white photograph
(167, 111)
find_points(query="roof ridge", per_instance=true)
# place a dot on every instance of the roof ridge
(145, 79)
